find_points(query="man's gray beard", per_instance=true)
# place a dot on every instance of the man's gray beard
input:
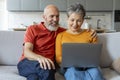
(52, 28)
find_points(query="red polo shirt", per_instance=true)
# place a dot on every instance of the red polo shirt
(42, 39)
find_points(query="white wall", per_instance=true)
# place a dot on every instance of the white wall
(15, 19)
(9, 20)
(105, 17)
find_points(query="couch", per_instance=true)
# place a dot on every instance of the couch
(11, 49)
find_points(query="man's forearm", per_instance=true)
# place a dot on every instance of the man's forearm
(31, 55)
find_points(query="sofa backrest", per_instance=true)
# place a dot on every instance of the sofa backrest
(11, 44)
(111, 47)
(10, 47)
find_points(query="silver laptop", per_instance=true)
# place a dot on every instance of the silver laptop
(81, 54)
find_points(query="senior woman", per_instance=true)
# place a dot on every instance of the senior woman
(74, 34)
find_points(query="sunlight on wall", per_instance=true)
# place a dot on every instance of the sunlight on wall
(3, 15)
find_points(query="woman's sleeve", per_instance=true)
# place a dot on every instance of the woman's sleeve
(58, 48)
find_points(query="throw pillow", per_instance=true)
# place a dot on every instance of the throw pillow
(116, 65)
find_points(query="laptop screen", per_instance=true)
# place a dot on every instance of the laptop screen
(81, 54)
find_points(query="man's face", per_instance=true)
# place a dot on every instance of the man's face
(51, 17)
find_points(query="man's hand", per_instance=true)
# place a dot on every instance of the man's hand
(46, 63)
(93, 32)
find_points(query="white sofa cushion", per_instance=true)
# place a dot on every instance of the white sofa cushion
(116, 65)
(11, 73)
(110, 74)
(10, 47)
(111, 47)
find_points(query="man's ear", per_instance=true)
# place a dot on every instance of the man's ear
(44, 17)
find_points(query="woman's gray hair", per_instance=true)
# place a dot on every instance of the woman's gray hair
(76, 8)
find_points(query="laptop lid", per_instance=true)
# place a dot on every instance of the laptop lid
(81, 54)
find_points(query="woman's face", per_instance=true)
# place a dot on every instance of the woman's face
(75, 21)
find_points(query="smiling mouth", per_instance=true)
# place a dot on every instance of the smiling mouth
(54, 24)
(75, 27)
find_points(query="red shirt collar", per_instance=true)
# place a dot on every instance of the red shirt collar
(42, 26)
